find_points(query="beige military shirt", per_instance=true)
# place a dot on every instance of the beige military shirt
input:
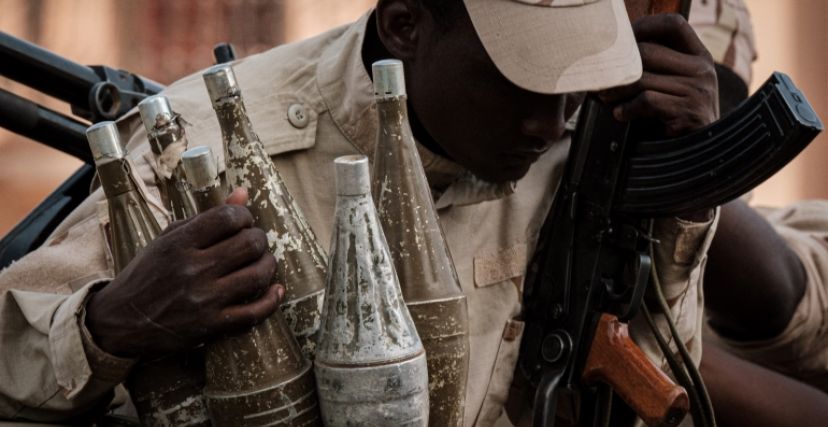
(311, 102)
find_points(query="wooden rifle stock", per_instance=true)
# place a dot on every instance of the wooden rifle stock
(616, 360)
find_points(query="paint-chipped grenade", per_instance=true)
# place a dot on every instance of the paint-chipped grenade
(370, 364)
(167, 139)
(167, 390)
(424, 266)
(301, 261)
(259, 377)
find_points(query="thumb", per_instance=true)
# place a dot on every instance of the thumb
(237, 197)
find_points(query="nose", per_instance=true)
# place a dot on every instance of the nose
(545, 117)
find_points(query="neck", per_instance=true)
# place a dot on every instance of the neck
(373, 50)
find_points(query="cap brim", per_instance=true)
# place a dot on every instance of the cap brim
(558, 49)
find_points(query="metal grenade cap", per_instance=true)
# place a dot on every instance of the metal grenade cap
(389, 78)
(105, 142)
(221, 82)
(352, 175)
(151, 108)
(200, 167)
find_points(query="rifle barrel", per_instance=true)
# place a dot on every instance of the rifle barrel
(45, 71)
(46, 126)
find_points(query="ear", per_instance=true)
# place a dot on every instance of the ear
(399, 26)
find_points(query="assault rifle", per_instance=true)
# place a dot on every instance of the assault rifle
(592, 264)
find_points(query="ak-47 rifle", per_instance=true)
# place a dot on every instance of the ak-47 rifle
(593, 263)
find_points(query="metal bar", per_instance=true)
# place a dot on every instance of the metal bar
(45, 71)
(43, 125)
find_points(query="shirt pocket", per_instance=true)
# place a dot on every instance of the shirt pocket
(502, 374)
(497, 266)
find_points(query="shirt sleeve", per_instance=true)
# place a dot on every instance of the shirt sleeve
(680, 254)
(51, 368)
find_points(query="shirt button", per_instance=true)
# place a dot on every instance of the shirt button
(297, 116)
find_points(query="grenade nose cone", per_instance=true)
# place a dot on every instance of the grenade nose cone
(221, 82)
(200, 167)
(389, 78)
(155, 112)
(105, 142)
(352, 175)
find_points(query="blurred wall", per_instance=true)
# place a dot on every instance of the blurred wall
(165, 40)
(792, 36)
(160, 39)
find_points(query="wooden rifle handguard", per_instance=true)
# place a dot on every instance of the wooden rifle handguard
(616, 360)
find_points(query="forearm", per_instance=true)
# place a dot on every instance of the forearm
(745, 394)
(753, 281)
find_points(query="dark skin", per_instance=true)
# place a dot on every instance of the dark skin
(203, 277)
(753, 281)
(745, 394)
(462, 105)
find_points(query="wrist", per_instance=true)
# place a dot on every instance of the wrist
(102, 330)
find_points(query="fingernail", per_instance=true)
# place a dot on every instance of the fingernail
(280, 291)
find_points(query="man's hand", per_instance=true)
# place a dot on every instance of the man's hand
(678, 86)
(201, 278)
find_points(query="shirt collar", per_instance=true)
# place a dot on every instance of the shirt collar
(347, 92)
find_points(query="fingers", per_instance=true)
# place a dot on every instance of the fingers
(647, 104)
(245, 284)
(237, 197)
(671, 110)
(237, 251)
(241, 317)
(661, 59)
(216, 225)
(672, 85)
(669, 29)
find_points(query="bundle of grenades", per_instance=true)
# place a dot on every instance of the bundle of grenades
(374, 334)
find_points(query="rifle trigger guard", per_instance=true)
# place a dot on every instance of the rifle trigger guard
(642, 276)
(546, 398)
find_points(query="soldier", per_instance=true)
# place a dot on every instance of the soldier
(490, 84)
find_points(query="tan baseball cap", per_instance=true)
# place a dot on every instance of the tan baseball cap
(558, 46)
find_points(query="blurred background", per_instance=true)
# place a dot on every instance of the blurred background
(168, 39)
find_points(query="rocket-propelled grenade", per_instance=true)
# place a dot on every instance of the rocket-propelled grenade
(370, 364)
(167, 139)
(133, 225)
(166, 391)
(300, 259)
(260, 377)
(421, 257)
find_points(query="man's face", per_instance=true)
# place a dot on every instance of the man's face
(483, 121)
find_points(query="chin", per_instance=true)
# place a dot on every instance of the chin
(504, 173)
